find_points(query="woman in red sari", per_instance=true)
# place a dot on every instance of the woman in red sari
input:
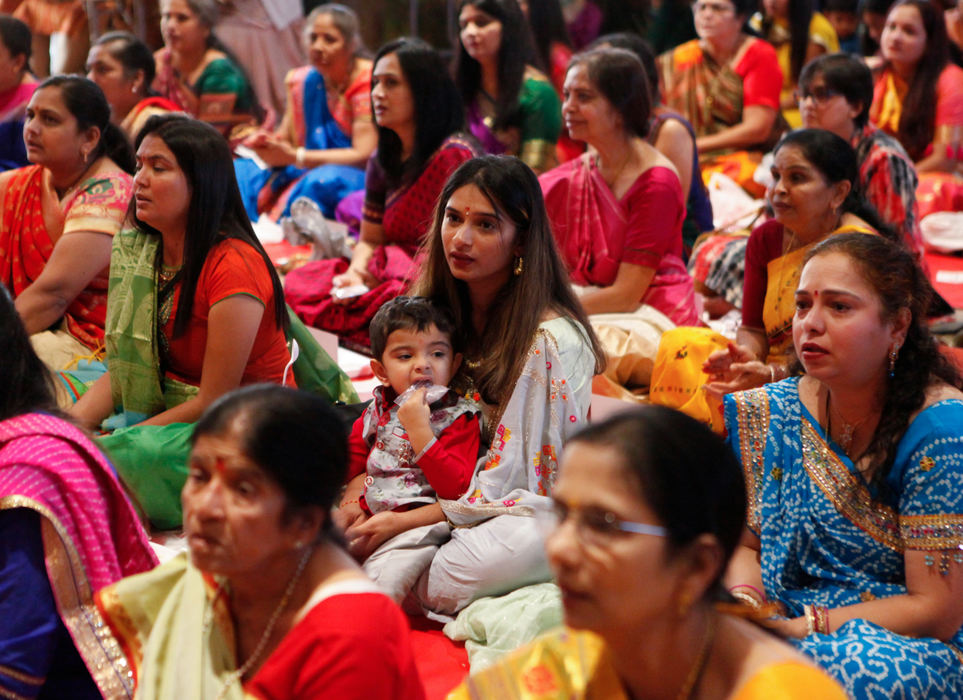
(60, 214)
(419, 114)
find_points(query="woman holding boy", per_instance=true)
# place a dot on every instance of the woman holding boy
(530, 355)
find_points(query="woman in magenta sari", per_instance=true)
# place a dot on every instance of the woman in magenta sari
(617, 213)
(418, 114)
(66, 531)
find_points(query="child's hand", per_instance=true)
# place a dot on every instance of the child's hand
(348, 514)
(414, 413)
(365, 537)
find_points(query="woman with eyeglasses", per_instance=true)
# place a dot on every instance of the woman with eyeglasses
(727, 84)
(645, 515)
(835, 93)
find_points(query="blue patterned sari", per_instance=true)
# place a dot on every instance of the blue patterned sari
(828, 539)
(327, 184)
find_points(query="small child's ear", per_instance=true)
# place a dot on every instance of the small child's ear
(380, 372)
(455, 363)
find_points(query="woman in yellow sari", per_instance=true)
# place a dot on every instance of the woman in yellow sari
(814, 195)
(648, 496)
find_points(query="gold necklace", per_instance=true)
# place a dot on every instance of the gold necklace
(234, 676)
(695, 672)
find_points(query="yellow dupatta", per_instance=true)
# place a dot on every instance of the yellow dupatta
(780, 303)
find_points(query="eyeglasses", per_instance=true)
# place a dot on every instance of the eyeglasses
(593, 526)
(716, 8)
(820, 93)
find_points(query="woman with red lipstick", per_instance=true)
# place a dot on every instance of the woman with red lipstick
(853, 472)
(815, 194)
(419, 119)
(648, 508)
(327, 134)
(265, 603)
(530, 355)
(196, 72)
(60, 214)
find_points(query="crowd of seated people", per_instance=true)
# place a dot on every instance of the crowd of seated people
(521, 203)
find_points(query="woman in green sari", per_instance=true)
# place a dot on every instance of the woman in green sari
(195, 309)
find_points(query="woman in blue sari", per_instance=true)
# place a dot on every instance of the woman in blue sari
(853, 474)
(327, 133)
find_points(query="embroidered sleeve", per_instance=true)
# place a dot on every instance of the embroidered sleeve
(747, 425)
(931, 500)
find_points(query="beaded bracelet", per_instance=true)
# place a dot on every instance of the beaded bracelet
(347, 503)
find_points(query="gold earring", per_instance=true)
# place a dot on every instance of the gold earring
(519, 265)
(682, 604)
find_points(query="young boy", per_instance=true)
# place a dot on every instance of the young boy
(844, 16)
(403, 458)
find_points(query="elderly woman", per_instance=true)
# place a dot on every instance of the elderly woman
(853, 472)
(327, 134)
(196, 72)
(530, 355)
(835, 93)
(727, 85)
(123, 67)
(66, 531)
(512, 108)
(617, 211)
(648, 496)
(17, 86)
(60, 214)
(419, 118)
(266, 603)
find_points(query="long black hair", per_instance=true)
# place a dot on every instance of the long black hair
(25, 379)
(515, 51)
(917, 125)
(800, 15)
(547, 23)
(216, 210)
(520, 306)
(86, 102)
(437, 107)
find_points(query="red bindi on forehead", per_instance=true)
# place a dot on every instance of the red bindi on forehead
(220, 466)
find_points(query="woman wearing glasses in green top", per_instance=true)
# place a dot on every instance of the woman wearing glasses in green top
(647, 510)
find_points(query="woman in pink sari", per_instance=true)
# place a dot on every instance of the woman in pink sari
(66, 531)
(617, 213)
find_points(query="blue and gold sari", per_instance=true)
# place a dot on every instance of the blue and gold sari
(828, 538)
